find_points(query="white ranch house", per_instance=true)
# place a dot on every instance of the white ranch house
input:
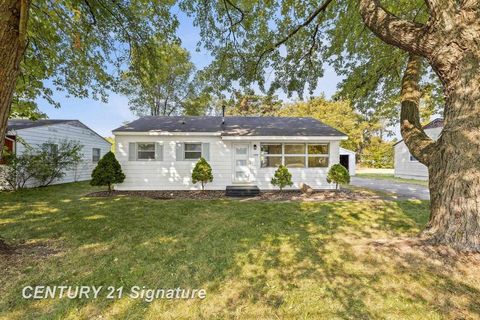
(36, 133)
(159, 153)
(406, 166)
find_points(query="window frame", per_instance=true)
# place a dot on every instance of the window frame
(192, 151)
(283, 155)
(99, 155)
(146, 159)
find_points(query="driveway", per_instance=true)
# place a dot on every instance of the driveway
(400, 190)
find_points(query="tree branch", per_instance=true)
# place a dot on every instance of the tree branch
(409, 36)
(22, 28)
(323, 6)
(420, 145)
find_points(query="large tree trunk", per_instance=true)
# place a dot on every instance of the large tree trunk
(455, 168)
(454, 160)
(13, 23)
(450, 42)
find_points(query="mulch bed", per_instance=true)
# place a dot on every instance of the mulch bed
(288, 195)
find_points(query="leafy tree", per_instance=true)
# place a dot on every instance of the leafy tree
(79, 46)
(159, 80)
(378, 154)
(248, 103)
(107, 172)
(202, 172)
(338, 174)
(282, 177)
(338, 114)
(291, 39)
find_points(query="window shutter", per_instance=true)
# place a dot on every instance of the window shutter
(206, 151)
(179, 151)
(158, 151)
(132, 151)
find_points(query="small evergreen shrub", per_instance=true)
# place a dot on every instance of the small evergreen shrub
(338, 174)
(282, 177)
(202, 173)
(107, 172)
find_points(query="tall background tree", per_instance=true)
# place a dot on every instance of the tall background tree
(160, 81)
(77, 45)
(292, 39)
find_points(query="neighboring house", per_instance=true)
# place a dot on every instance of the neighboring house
(406, 166)
(35, 133)
(159, 153)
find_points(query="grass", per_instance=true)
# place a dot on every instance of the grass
(391, 177)
(256, 260)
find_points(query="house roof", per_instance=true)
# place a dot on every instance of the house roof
(233, 126)
(18, 124)
(436, 123)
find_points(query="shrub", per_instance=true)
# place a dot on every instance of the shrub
(19, 170)
(282, 177)
(53, 162)
(107, 172)
(338, 174)
(202, 173)
(42, 164)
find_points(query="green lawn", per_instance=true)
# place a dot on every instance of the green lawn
(391, 177)
(256, 260)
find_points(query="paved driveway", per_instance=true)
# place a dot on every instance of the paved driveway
(401, 190)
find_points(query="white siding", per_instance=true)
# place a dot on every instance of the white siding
(171, 174)
(407, 169)
(38, 135)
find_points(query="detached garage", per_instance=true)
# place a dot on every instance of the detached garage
(348, 160)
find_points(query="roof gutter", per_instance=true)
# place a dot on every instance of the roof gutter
(284, 138)
(163, 133)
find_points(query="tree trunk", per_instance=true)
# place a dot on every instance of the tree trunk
(454, 160)
(13, 23)
(449, 41)
(455, 167)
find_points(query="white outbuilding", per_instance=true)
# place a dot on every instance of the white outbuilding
(348, 160)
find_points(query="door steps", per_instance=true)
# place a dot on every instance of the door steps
(242, 191)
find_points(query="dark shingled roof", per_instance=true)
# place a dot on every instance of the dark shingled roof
(17, 124)
(233, 126)
(437, 123)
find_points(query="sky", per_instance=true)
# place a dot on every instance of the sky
(104, 117)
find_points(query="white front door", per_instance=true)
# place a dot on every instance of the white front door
(241, 166)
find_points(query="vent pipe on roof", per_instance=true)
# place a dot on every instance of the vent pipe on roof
(223, 114)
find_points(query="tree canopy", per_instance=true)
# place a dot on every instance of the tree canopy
(285, 44)
(80, 46)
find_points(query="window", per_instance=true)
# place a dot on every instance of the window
(271, 155)
(295, 155)
(318, 155)
(192, 151)
(145, 151)
(413, 159)
(95, 154)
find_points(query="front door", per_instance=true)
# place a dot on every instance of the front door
(241, 167)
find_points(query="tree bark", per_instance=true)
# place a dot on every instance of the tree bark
(455, 168)
(13, 24)
(450, 43)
